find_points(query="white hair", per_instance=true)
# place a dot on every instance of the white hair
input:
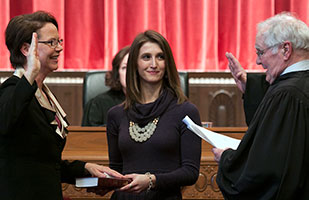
(284, 27)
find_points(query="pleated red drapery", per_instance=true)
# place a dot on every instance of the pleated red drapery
(199, 31)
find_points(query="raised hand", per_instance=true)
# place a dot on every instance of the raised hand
(33, 62)
(238, 73)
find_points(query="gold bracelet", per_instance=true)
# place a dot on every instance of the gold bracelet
(150, 181)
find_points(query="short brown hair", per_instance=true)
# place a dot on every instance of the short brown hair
(19, 31)
(171, 78)
(112, 77)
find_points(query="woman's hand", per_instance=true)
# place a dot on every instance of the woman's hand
(33, 62)
(140, 182)
(238, 73)
(101, 171)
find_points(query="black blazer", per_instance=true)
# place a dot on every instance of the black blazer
(30, 149)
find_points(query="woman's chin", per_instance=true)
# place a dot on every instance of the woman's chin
(54, 67)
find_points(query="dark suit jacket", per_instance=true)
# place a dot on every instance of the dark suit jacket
(30, 150)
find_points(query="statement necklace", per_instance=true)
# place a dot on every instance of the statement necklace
(139, 134)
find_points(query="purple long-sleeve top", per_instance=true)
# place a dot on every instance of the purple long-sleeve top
(172, 153)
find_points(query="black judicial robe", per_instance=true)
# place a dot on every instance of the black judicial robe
(95, 111)
(272, 159)
(256, 88)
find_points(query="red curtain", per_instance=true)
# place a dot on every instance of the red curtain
(199, 31)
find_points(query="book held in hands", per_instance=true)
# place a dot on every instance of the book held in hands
(107, 182)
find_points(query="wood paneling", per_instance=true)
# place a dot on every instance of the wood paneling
(70, 98)
(220, 104)
(217, 102)
(218, 99)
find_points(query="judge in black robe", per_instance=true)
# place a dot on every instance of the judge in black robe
(272, 159)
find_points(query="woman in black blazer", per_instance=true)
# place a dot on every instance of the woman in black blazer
(32, 123)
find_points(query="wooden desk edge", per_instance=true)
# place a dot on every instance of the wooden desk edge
(103, 129)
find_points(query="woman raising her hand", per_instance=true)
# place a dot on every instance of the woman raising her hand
(32, 122)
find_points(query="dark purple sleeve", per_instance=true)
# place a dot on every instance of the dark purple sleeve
(190, 149)
(112, 128)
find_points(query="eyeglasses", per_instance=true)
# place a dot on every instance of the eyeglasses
(52, 43)
(260, 53)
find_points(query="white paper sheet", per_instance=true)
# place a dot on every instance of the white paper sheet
(215, 139)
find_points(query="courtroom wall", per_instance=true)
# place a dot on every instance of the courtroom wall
(214, 93)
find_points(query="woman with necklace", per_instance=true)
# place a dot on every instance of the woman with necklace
(147, 140)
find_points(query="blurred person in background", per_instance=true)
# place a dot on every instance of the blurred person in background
(95, 112)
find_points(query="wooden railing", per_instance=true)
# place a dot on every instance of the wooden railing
(90, 144)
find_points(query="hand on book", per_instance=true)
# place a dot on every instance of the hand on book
(101, 171)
